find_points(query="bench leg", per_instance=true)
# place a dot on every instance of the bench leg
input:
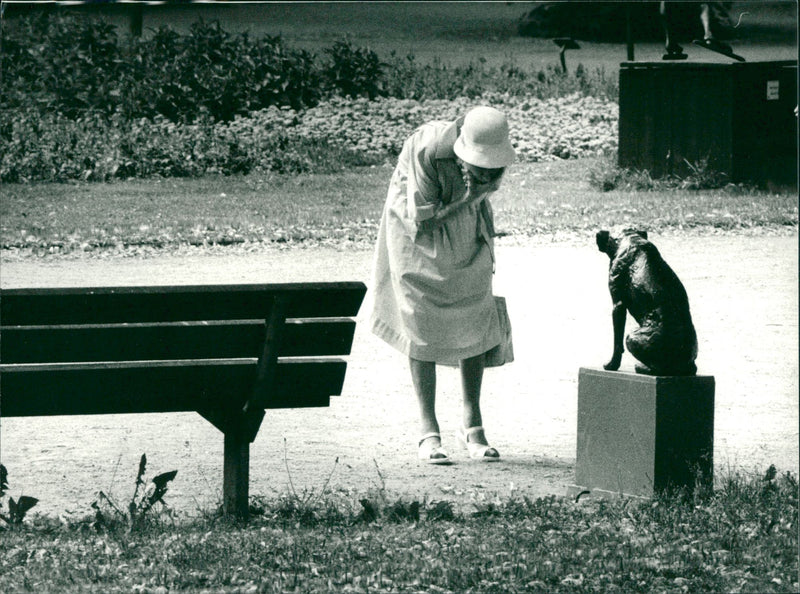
(236, 475)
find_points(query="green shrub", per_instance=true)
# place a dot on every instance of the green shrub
(354, 71)
(79, 64)
(74, 64)
(52, 147)
(211, 72)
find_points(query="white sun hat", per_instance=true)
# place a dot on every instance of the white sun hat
(483, 140)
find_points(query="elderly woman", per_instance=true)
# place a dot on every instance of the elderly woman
(434, 262)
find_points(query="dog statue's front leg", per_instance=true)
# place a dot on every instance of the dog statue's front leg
(618, 316)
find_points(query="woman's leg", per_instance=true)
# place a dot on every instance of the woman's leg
(423, 375)
(471, 380)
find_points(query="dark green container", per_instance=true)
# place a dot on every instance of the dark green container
(738, 117)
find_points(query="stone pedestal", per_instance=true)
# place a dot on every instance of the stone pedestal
(640, 434)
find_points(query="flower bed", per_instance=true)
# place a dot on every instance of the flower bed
(566, 127)
(331, 136)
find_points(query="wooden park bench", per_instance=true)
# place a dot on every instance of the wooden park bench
(227, 352)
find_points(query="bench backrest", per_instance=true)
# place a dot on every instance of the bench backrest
(177, 348)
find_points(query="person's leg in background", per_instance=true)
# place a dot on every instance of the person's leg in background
(712, 14)
(667, 15)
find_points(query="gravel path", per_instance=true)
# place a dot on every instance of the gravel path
(744, 297)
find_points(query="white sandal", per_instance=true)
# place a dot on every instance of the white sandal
(430, 453)
(477, 451)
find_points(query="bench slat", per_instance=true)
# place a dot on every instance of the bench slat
(195, 340)
(108, 305)
(161, 386)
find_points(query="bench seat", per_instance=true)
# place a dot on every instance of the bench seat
(228, 352)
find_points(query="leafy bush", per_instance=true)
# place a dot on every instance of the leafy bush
(211, 72)
(79, 64)
(50, 147)
(354, 71)
(74, 64)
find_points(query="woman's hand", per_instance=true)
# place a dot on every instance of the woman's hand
(479, 180)
(480, 183)
(475, 188)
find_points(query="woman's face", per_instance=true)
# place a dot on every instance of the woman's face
(483, 175)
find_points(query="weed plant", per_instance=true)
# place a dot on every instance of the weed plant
(17, 509)
(143, 503)
(743, 537)
(606, 176)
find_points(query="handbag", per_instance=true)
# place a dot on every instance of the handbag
(504, 352)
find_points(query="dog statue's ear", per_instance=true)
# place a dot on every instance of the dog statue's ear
(642, 234)
(602, 240)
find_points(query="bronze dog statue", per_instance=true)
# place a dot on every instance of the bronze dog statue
(642, 283)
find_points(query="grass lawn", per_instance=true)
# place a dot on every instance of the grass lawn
(536, 199)
(743, 538)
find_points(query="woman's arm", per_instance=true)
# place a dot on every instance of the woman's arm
(476, 193)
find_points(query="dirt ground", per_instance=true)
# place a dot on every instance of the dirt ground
(744, 297)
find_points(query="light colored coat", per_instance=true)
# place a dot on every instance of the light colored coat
(432, 285)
